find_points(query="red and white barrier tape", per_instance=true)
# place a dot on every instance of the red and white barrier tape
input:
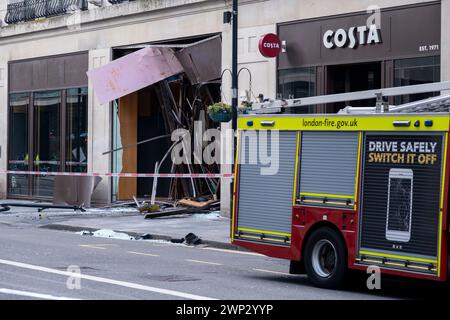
(122, 175)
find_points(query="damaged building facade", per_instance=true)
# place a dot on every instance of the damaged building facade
(53, 120)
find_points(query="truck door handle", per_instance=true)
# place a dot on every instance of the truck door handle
(268, 123)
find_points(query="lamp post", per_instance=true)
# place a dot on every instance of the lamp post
(234, 71)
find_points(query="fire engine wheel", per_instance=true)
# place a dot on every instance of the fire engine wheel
(325, 258)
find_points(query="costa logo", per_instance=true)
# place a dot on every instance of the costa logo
(270, 45)
(352, 37)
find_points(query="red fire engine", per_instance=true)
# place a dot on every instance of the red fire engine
(364, 187)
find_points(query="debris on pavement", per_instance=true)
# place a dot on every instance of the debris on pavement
(105, 233)
(194, 203)
(149, 208)
(146, 236)
(193, 207)
(192, 239)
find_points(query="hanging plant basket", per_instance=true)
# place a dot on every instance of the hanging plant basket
(220, 116)
(220, 112)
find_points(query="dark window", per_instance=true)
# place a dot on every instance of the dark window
(76, 130)
(297, 83)
(416, 71)
(47, 133)
(47, 139)
(18, 143)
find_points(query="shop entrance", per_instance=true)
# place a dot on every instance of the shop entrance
(145, 120)
(351, 78)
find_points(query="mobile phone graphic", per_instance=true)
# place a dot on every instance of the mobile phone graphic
(399, 208)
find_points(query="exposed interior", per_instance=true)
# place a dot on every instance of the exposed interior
(158, 110)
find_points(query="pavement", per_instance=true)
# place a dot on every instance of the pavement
(212, 228)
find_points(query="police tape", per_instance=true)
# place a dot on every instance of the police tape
(121, 175)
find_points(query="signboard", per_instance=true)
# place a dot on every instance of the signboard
(401, 190)
(351, 38)
(354, 38)
(270, 45)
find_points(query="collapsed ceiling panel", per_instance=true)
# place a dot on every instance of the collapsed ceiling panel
(202, 61)
(133, 72)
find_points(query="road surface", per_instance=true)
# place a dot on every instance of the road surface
(39, 264)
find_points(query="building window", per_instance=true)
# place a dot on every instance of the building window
(18, 143)
(47, 133)
(76, 130)
(416, 71)
(47, 140)
(297, 83)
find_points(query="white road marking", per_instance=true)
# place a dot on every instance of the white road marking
(98, 246)
(106, 280)
(144, 254)
(276, 272)
(235, 251)
(204, 262)
(33, 294)
(91, 246)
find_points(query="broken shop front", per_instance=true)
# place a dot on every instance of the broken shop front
(48, 119)
(168, 98)
(361, 51)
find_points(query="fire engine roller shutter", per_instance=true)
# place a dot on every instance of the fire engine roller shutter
(265, 201)
(328, 163)
(413, 230)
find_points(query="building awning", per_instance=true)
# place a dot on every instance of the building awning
(133, 72)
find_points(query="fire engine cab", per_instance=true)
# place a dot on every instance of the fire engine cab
(333, 192)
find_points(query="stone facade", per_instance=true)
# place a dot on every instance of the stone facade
(98, 30)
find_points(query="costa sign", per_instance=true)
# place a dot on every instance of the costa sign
(270, 45)
(352, 37)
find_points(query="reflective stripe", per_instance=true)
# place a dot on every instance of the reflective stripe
(346, 122)
(265, 232)
(323, 195)
(358, 169)
(385, 255)
(441, 213)
(297, 162)
(234, 195)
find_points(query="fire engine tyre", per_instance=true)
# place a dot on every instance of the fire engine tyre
(326, 259)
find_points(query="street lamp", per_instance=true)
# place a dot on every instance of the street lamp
(234, 69)
(232, 17)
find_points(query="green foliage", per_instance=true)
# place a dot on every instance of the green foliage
(219, 107)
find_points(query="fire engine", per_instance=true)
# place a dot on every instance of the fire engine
(365, 187)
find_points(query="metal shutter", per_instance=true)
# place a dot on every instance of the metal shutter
(328, 163)
(265, 201)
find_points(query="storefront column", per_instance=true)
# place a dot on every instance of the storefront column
(226, 164)
(99, 132)
(445, 41)
(3, 125)
(225, 184)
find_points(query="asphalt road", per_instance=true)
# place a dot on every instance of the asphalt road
(34, 265)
